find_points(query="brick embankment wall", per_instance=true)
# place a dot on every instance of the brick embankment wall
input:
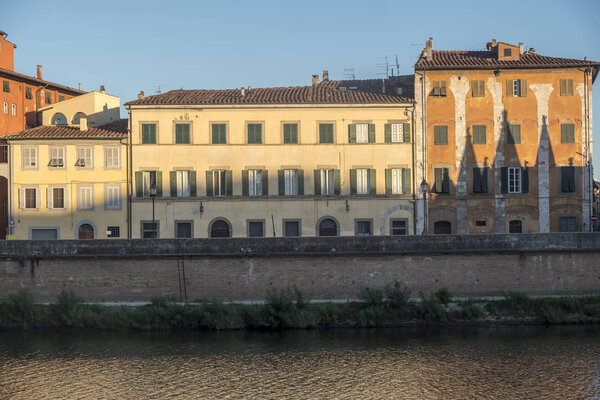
(322, 268)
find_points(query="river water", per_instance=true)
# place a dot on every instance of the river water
(400, 363)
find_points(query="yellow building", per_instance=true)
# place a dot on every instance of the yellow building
(334, 158)
(68, 180)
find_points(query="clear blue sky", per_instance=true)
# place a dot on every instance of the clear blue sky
(139, 45)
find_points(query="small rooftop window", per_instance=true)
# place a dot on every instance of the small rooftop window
(59, 119)
(507, 52)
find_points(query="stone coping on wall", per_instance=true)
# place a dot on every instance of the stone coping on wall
(303, 246)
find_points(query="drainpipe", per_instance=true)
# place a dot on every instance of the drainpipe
(129, 175)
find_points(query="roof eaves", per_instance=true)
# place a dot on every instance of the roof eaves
(40, 81)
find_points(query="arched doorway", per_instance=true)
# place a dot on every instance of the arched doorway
(220, 228)
(86, 231)
(328, 227)
(442, 228)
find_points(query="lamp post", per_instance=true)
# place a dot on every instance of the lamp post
(153, 192)
(424, 190)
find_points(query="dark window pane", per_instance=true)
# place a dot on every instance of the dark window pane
(363, 228)
(256, 229)
(113, 231)
(291, 228)
(398, 227)
(219, 228)
(515, 226)
(183, 229)
(328, 227)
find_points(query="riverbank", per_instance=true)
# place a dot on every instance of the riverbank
(289, 309)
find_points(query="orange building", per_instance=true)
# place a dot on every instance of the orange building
(503, 141)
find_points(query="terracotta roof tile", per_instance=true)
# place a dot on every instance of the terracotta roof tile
(39, 81)
(114, 130)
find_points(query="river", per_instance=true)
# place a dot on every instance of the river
(400, 363)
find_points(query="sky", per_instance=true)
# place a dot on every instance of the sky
(150, 45)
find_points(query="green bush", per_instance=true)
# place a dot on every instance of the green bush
(471, 310)
(371, 297)
(443, 295)
(68, 309)
(19, 306)
(431, 309)
(396, 297)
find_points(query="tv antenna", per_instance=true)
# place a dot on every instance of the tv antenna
(384, 67)
(158, 91)
(349, 73)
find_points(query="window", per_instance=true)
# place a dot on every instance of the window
(84, 157)
(362, 133)
(327, 178)
(256, 228)
(362, 181)
(182, 180)
(182, 133)
(567, 224)
(291, 227)
(514, 180)
(567, 179)
(515, 226)
(442, 228)
(398, 181)
(30, 198)
(363, 227)
(516, 88)
(481, 223)
(441, 182)
(290, 182)
(14, 109)
(148, 133)
(479, 134)
(57, 157)
(48, 98)
(328, 227)
(61, 98)
(56, 198)
(398, 133)
(5, 108)
(28, 94)
(149, 181)
(6, 86)
(567, 133)
(325, 133)
(85, 198)
(29, 157)
(440, 135)
(219, 183)
(183, 229)
(255, 182)
(254, 133)
(480, 180)
(59, 119)
(149, 229)
(439, 88)
(566, 87)
(219, 133)
(507, 52)
(112, 159)
(113, 231)
(398, 227)
(220, 228)
(290, 133)
(513, 134)
(478, 89)
(112, 197)
(77, 118)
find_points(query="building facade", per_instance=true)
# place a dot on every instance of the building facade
(503, 141)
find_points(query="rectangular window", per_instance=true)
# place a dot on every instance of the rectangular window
(567, 179)
(149, 182)
(480, 223)
(507, 52)
(58, 198)
(441, 183)
(149, 229)
(6, 86)
(362, 133)
(362, 181)
(112, 157)
(291, 227)
(84, 157)
(398, 227)
(148, 133)
(567, 224)
(478, 88)
(14, 109)
(57, 157)
(256, 228)
(291, 182)
(290, 133)
(480, 180)
(28, 94)
(397, 184)
(514, 180)
(85, 200)
(182, 133)
(219, 133)
(255, 182)
(567, 133)
(5, 108)
(61, 98)
(513, 134)
(439, 88)
(30, 157)
(327, 182)
(254, 133)
(440, 135)
(325, 133)
(48, 98)
(183, 229)
(397, 133)
(219, 183)
(183, 183)
(566, 87)
(516, 87)
(479, 134)
(30, 195)
(363, 227)
(113, 231)
(112, 197)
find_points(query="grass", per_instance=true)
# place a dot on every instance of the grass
(289, 309)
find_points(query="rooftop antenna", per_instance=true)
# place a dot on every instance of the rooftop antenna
(349, 73)
(384, 68)
(397, 66)
(158, 91)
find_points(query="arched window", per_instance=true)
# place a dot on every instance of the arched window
(442, 228)
(515, 226)
(220, 228)
(328, 227)
(86, 231)
(59, 119)
(77, 117)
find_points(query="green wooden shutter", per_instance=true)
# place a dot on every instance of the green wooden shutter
(229, 182)
(517, 136)
(352, 181)
(437, 180)
(388, 181)
(388, 133)
(525, 180)
(352, 133)
(407, 180)
(371, 133)
(209, 183)
(281, 181)
(265, 182)
(563, 87)
(139, 184)
(193, 191)
(504, 179)
(443, 88)
(509, 88)
(173, 182)
(373, 181)
(159, 184)
(523, 88)
(301, 182)
(406, 133)
(245, 190)
(317, 182)
(337, 178)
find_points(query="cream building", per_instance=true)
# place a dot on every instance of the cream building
(334, 158)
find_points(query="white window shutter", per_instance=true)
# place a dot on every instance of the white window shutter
(66, 198)
(38, 200)
(21, 198)
(48, 199)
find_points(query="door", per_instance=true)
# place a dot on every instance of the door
(86, 231)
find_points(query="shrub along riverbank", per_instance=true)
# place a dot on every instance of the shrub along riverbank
(288, 309)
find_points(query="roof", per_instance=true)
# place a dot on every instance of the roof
(114, 130)
(39, 81)
(328, 92)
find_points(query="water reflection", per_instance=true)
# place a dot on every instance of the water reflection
(503, 363)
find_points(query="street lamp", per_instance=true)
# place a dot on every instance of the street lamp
(153, 192)
(424, 190)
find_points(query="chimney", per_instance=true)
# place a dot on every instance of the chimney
(521, 49)
(102, 90)
(79, 85)
(325, 75)
(429, 49)
(141, 95)
(83, 123)
(39, 72)
(315, 79)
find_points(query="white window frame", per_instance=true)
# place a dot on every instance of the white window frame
(85, 197)
(112, 160)
(255, 182)
(147, 182)
(397, 133)
(112, 192)
(220, 183)
(514, 179)
(397, 181)
(50, 198)
(14, 109)
(517, 88)
(183, 183)
(5, 107)
(291, 182)
(362, 181)
(23, 200)
(85, 157)
(28, 157)
(57, 157)
(362, 133)
(327, 182)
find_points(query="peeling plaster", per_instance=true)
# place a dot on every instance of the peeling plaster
(459, 86)
(495, 88)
